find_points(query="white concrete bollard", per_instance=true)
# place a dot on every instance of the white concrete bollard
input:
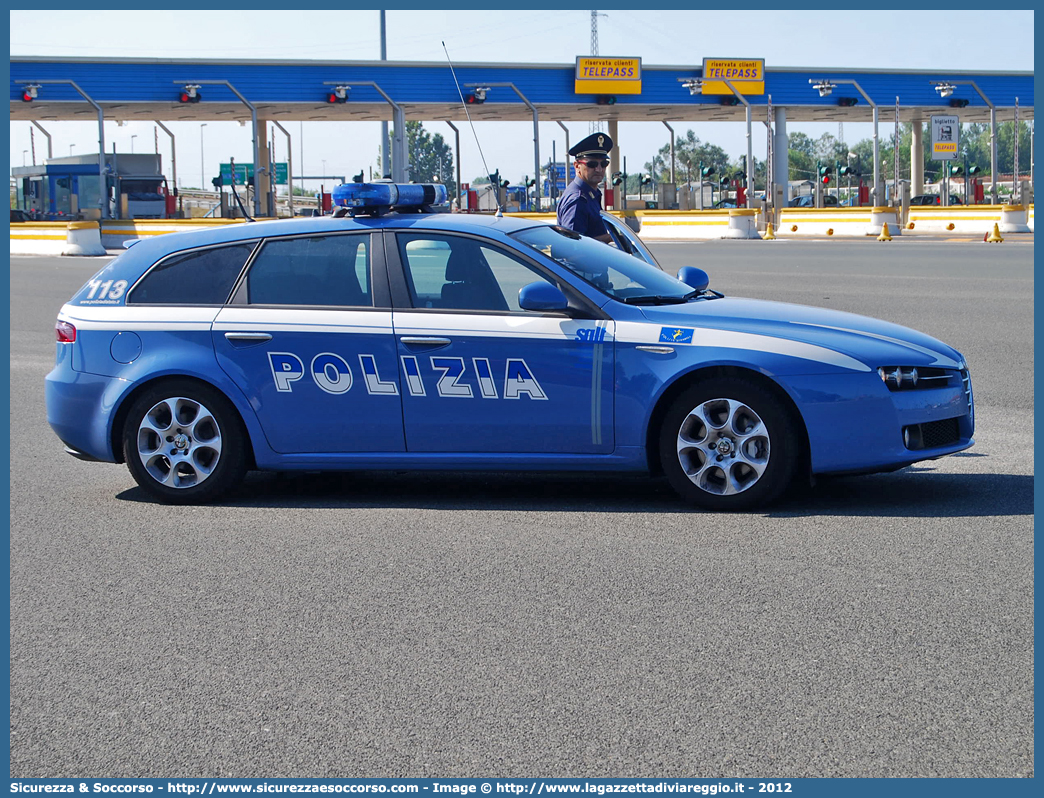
(1014, 219)
(743, 223)
(83, 238)
(881, 214)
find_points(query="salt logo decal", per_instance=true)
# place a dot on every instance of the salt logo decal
(594, 336)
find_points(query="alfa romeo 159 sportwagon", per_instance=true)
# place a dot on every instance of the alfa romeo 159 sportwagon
(382, 339)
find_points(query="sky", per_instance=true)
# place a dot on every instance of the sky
(938, 40)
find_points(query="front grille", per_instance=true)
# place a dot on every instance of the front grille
(966, 381)
(932, 434)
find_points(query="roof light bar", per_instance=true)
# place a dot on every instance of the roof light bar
(376, 199)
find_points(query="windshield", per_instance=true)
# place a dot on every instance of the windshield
(621, 276)
(627, 240)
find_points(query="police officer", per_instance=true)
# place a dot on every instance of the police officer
(580, 207)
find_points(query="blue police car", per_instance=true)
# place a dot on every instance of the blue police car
(378, 338)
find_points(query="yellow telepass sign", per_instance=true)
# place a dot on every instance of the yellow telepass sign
(747, 75)
(598, 75)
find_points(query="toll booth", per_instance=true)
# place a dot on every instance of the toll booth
(516, 198)
(70, 188)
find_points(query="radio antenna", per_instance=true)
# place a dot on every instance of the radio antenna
(496, 189)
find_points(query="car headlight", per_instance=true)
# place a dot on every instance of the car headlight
(911, 378)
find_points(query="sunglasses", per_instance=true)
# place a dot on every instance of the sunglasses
(595, 164)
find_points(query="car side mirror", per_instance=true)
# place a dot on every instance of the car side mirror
(693, 277)
(541, 297)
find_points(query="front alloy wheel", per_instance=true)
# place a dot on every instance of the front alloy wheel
(727, 444)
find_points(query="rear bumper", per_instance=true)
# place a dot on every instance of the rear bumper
(79, 410)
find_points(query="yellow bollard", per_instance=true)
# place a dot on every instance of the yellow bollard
(769, 235)
(885, 235)
(995, 236)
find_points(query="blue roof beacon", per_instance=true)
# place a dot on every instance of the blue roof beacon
(378, 198)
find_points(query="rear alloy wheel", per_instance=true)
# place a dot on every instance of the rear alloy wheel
(728, 444)
(183, 443)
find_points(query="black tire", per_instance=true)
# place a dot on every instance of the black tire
(184, 443)
(729, 444)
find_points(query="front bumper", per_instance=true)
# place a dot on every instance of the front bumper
(855, 424)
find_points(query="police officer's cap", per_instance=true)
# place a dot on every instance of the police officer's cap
(596, 145)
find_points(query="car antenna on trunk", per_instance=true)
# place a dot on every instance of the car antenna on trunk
(496, 191)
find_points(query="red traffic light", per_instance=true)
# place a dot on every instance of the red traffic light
(190, 97)
(27, 97)
(338, 94)
(474, 99)
(826, 179)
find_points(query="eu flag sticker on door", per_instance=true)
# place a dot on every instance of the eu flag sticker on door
(675, 335)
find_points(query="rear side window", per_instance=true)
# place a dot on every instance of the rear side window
(202, 277)
(330, 270)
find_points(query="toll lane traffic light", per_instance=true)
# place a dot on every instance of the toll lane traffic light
(337, 95)
(605, 99)
(190, 94)
(29, 92)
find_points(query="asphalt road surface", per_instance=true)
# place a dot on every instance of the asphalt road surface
(439, 625)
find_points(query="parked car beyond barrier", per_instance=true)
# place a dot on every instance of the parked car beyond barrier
(934, 199)
(808, 201)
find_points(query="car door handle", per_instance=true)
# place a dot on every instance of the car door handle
(424, 340)
(248, 337)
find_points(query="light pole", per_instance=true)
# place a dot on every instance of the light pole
(400, 170)
(825, 87)
(536, 125)
(851, 155)
(70, 149)
(202, 169)
(24, 152)
(324, 170)
(134, 136)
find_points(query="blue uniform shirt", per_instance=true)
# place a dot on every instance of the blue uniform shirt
(580, 209)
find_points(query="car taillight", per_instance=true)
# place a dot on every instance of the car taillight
(64, 332)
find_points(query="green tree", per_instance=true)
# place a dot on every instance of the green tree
(689, 151)
(431, 158)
